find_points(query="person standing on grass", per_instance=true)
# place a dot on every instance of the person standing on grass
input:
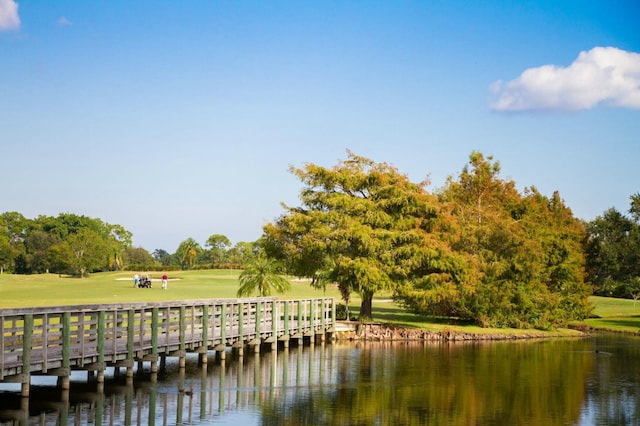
(164, 281)
(135, 280)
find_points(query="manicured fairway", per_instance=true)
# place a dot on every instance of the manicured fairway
(615, 314)
(114, 287)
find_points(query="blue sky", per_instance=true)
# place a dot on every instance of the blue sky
(180, 119)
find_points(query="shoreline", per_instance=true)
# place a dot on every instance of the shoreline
(355, 331)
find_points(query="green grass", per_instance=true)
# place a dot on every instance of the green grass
(21, 291)
(621, 315)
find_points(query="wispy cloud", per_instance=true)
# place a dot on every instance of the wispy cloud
(64, 21)
(9, 19)
(601, 76)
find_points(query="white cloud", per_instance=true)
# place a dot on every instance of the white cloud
(601, 76)
(64, 21)
(9, 19)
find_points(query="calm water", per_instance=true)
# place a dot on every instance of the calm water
(593, 381)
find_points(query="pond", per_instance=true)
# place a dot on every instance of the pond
(589, 381)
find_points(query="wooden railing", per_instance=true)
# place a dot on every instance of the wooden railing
(90, 337)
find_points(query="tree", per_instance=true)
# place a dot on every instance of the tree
(7, 255)
(613, 250)
(217, 245)
(633, 289)
(86, 252)
(527, 249)
(187, 253)
(241, 254)
(162, 256)
(364, 226)
(37, 244)
(138, 256)
(13, 229)
(262, 276)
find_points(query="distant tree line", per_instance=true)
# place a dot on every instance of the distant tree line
(613, 252)
(79, 245)
(477, 248)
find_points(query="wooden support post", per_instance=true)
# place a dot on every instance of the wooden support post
(163, 362)
(313, 311)
(240, 320)
(333, 315)
(258, 319)
(66, 348)
(286, 317)
(131, 324)
(183, 346)
(154, 332)
(101, 333)
(274, 325)
(205, 326)
(27, 334)
(203, 359)
(300, 328)
(223, 324)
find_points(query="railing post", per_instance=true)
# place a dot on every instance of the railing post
(27, 333)
(221, 347)
(101, 333)
(313, 307)
(333, 314)
(131, 323)
(241, 321)
(183, 346)
(223, 324)
(300, 329)
(258, 317)
(205, 325)
(154, 340)
(274, 324)
(66, 349)
(286, 332)
(241, 329)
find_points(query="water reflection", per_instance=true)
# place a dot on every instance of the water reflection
(554, 382)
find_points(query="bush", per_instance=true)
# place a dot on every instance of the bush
(341, 312)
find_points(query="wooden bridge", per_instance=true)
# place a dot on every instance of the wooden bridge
(57, 340)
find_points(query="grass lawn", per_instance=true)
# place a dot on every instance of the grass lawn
(21, 291)
(613, 314)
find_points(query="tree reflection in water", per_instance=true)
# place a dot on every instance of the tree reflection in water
(545, 382)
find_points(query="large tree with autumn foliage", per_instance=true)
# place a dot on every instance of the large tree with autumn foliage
(526, 246)
(366, 227)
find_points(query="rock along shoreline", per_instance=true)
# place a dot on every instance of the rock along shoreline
(356, 331)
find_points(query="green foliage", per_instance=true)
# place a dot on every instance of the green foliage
(613, 251)
(65, 244)
(137, 256)
(364, 226)
(217, 247)
(187, 253)
(526, 253)
(262, 276)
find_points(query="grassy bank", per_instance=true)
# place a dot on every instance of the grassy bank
(611, 314)
(17, 291)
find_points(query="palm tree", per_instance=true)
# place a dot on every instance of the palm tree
(261, 275)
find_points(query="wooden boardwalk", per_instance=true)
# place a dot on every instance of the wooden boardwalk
(57, 340)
